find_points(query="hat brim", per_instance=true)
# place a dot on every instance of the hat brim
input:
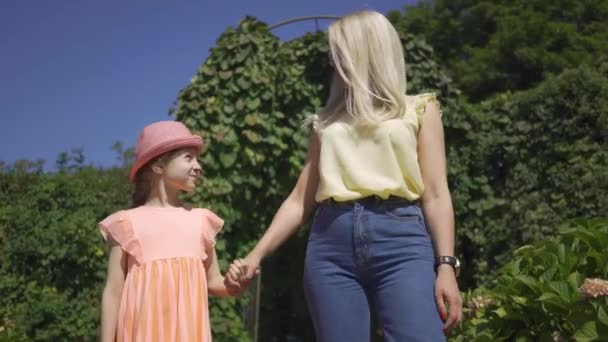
(193, 141)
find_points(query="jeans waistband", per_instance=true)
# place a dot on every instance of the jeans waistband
(371, 201)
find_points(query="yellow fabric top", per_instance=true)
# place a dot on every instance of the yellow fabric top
(380, 160)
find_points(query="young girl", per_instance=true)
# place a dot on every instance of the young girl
(383, 234)
(162, 260)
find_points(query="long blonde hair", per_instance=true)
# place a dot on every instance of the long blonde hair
(369, 80)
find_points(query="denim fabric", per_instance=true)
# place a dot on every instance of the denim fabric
(371, 253)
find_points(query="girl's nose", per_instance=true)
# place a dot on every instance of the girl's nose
(197, 168)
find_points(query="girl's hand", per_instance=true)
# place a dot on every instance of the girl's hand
(232, 287)
(446, 292)
(233, 277)
(236, 280)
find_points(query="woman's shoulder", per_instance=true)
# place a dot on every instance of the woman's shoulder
(422, 97)
(418, 102)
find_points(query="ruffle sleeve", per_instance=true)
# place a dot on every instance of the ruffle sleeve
(118, 227)
(212, 225)
(420, 105)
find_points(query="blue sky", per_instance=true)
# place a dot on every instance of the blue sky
(88, 73)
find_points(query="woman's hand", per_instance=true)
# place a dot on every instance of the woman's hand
(251, 265)
(448, 297)
(232, 279)
(239, 274)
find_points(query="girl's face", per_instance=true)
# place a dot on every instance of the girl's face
(182, 172)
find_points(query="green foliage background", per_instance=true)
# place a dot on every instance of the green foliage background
(523, 88)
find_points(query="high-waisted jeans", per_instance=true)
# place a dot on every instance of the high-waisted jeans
(371, 253)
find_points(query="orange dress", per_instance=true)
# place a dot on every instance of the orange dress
(164, 297)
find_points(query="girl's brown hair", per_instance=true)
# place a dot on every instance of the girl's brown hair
(143, 178)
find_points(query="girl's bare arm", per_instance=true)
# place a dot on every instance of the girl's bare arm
(215, 280)
(112, 291)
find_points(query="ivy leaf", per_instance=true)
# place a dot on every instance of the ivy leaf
(251, 120)
(252, 136)
(253, 104)
(242, 83)
(226, 74)
(227, 159)
(228, 109)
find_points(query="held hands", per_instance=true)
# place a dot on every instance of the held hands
(240, 272)
(447, 293)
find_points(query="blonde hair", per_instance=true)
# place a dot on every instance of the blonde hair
(369, 80)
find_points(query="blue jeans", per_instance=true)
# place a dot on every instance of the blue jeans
(371, 253)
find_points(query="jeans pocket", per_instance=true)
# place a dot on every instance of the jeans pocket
(404, 213)
(317, 222)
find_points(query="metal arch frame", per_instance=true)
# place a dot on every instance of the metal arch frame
(293, 20)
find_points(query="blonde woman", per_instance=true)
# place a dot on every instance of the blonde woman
(383, 231)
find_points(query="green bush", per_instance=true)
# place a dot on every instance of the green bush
(539, 296)
(531, 161)
(52, 257)
(496, 46)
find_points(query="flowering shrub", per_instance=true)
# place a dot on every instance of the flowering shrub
(554, 290)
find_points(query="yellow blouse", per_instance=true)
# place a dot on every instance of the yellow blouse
(380, 160)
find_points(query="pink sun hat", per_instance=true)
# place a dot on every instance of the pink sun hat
(161, 137)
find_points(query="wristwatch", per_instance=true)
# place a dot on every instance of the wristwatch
(450, 260)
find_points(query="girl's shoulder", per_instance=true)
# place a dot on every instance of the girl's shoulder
(212, 225)
(117, 227)
(145, 213)
(113, 218)
(211, 218)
